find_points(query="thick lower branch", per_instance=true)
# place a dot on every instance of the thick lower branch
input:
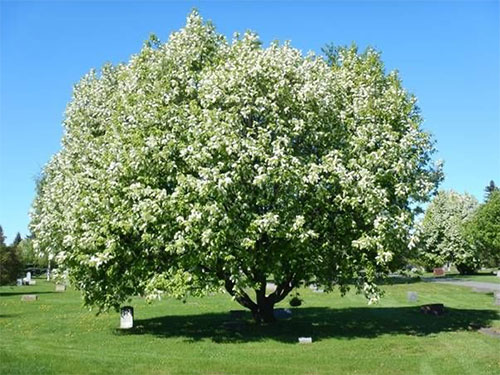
(240, 296)
(283, 289)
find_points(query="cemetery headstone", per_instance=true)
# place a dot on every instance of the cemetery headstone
(126, 317)
(412, 296)
(497, 298)
(60, 288)
(27, 279)
(32, 282)
(305, 340)
(29, 297)
(439, 271)
(498, 273)
(19, 282)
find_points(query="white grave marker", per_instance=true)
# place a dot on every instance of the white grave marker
(305, 340)
(412, 296)
(127, 317)
(60, 288)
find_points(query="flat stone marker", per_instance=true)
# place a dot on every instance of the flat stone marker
(412, 296)
(60, 288)
(494, 332)
(497, 298)
(126, 317)
(433, 309)
(438, 271)
(32, 282)
(480, 290)
(29, 297)
(305, 340)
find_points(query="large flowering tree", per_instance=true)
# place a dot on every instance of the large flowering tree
(444, 238)
(203, 163)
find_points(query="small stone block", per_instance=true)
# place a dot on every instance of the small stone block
(438, 271)
(498, 273)
(29, 297)
(497, 298)
(433, 309)
(60, 288)
(127, 317)
(19, 282)
(480, 290)
(32, 282)
(305, 340)
(412, 296)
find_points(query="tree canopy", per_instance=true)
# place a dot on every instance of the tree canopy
(444, 239)
(204, 163)
(484, 229)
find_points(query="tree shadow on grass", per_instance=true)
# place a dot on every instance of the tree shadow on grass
(316, 322)
(7, 294)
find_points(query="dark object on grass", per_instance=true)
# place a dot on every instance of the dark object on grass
(466, 269)
(282, 313)
(433, 309)
(295, 301)
(236, 314)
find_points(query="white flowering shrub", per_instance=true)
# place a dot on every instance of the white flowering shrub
(443, 232)
(204, 163)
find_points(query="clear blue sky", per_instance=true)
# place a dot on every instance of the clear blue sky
(446, 51)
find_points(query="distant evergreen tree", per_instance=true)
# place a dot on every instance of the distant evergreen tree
(10, 264)
(2, 237)
(490, 188)
(17, 240)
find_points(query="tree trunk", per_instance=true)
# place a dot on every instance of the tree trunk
(264, 311)
(263, 308)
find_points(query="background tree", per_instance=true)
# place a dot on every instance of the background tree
(489, 189)
(203, 163)
(28, 255)
(2, 237)
(10, 265)
(443, 237)
(484, 230)
(17, 240)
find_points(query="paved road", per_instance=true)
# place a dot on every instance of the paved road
(481, 286)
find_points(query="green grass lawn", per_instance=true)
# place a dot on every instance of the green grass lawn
(55, 335)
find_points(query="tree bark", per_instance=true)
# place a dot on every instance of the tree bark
(263, 308)
(264, 312)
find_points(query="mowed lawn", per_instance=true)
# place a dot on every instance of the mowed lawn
(56, 335)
